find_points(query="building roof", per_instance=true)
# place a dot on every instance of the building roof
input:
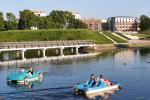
(124, 17)
(92, 18)
(75, 12)
(38, 11)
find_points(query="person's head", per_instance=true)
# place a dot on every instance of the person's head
(30, 68)
(92, 76)
(100, 76)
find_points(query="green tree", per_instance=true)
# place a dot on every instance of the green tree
(1, 21)
(65, 19)
(60, 18)
(11, 23)
(46, 23)
(77, 24)
(28, 19)
(144, 22)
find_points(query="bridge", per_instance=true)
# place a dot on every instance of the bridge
(44, 45)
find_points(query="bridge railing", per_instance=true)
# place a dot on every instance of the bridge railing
(7, 45)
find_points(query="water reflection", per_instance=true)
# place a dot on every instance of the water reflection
(125, 57)
(28, 86)
(37, 53)
(56, 59)
(129, 56)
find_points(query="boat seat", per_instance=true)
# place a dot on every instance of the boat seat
(102, 84)
(89, 83)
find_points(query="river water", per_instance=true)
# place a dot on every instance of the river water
(130, 67)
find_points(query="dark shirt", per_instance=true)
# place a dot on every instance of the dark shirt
(94, 82)
(31, 72)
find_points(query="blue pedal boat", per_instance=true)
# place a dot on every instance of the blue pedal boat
(23, 77)
(87, 88)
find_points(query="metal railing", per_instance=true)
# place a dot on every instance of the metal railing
(32, 44)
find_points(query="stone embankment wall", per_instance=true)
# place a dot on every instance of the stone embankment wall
(131, 44)
(104, 47)
(139, 43)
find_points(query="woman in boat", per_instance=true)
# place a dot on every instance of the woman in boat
(99, 79)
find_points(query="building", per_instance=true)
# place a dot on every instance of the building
(104, 21)
(40, 13)
(123, 24)
(76, 14)
(93, 23)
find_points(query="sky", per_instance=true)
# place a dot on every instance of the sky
(87, 8)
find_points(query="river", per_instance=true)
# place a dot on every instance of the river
(130, 67)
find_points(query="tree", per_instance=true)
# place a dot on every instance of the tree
(144, 22)
(60, 18)
(28, 19)
(1, 21)
(78, 24)
(65, 19)
(11, 23)
(46, 23)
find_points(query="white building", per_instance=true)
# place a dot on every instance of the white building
(104, 20)
(76, 14)
(40, 13)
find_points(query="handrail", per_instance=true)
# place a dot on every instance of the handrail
(5, 45)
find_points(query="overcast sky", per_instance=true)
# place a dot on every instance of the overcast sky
(87, 8)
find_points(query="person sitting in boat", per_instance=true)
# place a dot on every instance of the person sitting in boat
(99, 79)
(91, 81)
(30, 71)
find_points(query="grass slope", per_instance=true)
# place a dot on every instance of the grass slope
(116, 38)
(52, 34)
(145, 34)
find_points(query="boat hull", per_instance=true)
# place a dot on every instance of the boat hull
(97, 91)
(22, 81)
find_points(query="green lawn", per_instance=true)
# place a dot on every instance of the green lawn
(117, 39)
(52, 34)
(142, 35)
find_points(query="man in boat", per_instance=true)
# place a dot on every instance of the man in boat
(30, 71)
